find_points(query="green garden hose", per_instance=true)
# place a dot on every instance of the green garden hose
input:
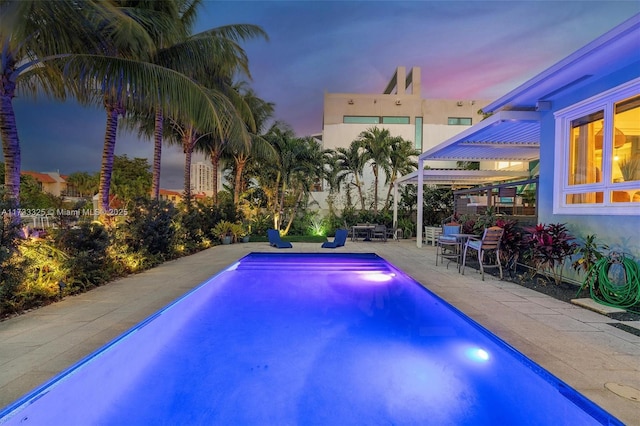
(617, 295)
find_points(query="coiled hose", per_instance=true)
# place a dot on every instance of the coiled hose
(614, 294)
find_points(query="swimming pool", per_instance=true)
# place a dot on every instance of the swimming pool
(280, 339)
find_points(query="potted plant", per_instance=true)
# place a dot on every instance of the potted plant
(223, 230)
(244, 234)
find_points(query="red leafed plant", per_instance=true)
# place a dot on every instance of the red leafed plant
(548, 246)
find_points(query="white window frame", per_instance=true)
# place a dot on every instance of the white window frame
(604, 101)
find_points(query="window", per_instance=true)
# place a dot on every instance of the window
(395, 120)
(356, 119)
(599, 154)
(418, 134)
(459, 121)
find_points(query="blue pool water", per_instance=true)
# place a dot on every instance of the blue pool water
(300, 339)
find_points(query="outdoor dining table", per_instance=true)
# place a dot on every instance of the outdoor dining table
(366, 229)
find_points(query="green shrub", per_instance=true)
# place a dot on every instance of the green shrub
(12, 266)
(86, 248)
(148, 228)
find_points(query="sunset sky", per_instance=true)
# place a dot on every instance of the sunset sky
(466, 49)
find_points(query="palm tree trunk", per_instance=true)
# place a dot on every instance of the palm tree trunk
(157, 154)
(359, 185)
(10, 142)
(237, 187)
(293, 213)
(215, 154)
(387, 200)
(375, 189)
(108, 151)
(187, 146)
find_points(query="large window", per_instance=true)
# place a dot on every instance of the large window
(599, 154)
(459, 121)
(418, 134)
(395, 120)
(357, 119)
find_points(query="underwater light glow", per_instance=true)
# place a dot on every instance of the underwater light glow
(477, 354)
(376, 276)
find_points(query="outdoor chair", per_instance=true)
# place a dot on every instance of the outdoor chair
(276, 241)
(339, 240)
(490, 242)
(380, 232)
(394, 233)
(448, 242)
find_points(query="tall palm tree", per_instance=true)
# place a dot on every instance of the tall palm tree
(190, 52)
(34, 37)
(262, 112)
(376, 143)
(236, 136)
(402, 161)
(352, 162)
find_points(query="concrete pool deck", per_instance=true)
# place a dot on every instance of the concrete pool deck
(575, 344)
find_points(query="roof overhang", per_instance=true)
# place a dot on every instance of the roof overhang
(616, 49)
(504, 136)
(458, 177)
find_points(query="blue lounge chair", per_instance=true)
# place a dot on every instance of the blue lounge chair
(339, 240)
(276, 241)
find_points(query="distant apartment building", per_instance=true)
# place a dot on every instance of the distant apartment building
(401, 109)
(202, 178)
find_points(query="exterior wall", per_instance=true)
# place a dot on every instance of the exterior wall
(619, 232)
(403, 102)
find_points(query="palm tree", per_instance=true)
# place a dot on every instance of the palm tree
(288, 180)
(86, 184)
(262, 112)
(351, 162)
(402, 161)
(237, 135)
(34, 37)
(190, 52)
(376, 143)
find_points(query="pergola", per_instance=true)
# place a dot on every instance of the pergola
(504, 136)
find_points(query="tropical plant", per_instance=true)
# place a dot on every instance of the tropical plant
(589, 253)
(148, 228)
(377, 150)
(189, 52)
(548, 246)
(224, 228)
(12, 267)
(511, 244)
(402, 161)
(86, 247)
(350, 162)
(34, 36)
(85, 184)
(262, 112)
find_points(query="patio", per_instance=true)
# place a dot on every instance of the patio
(577, 345)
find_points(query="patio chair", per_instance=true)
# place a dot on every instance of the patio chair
(446, 241)
(276, 241)
(490, 242)
(394, 233)
(339, 240)
(380, 232)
